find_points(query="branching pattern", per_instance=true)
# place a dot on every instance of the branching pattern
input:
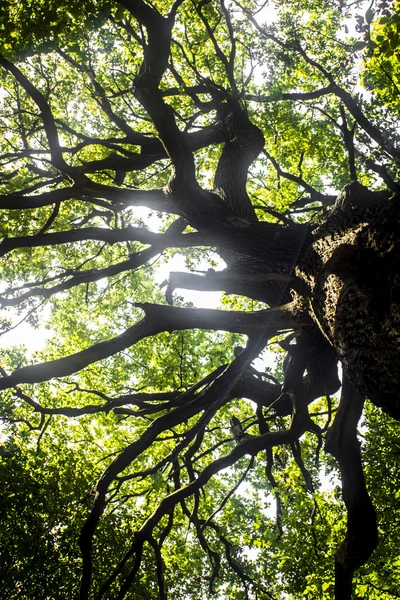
(192, 137)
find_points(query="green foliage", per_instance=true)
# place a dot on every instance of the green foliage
(382, 71)
(32, 23)
(60, 435)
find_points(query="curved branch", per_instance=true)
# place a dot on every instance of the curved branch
(251, 445)
(244, 142)
(90, 191)
(152, 150)
(16, 201)
(158, 318)
(361, 536)
(231, 282)
(292, 95)
(211, 398)
(102, 234)
(88, 276)
(45, 112)
(315, 195)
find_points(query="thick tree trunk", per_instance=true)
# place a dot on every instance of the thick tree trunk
(352, 271)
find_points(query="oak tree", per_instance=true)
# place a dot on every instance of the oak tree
(257, 146)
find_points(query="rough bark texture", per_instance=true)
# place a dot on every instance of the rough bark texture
(353, 275)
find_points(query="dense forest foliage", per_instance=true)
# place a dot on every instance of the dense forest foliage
(200, 292)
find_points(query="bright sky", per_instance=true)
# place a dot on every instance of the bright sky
(33, 339)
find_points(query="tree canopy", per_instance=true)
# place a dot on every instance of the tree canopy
(200, 218)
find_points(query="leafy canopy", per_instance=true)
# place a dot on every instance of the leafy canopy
(124, 411)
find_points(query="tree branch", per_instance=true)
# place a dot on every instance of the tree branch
(45, 112)
(361, 536)
(158, 318)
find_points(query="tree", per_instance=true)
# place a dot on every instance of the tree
(142, 430)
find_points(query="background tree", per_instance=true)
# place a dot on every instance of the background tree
(142, 450)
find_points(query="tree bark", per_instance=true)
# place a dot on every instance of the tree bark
(352, 271)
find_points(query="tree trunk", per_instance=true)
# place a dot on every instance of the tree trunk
(352, 271)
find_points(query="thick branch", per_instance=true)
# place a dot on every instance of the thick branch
(292, 95)
(80, 277)
(102, 234)
(16, 201)
(244, 142)
(361, 536)
(232, 282)
(158, 318)
(90, 191)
